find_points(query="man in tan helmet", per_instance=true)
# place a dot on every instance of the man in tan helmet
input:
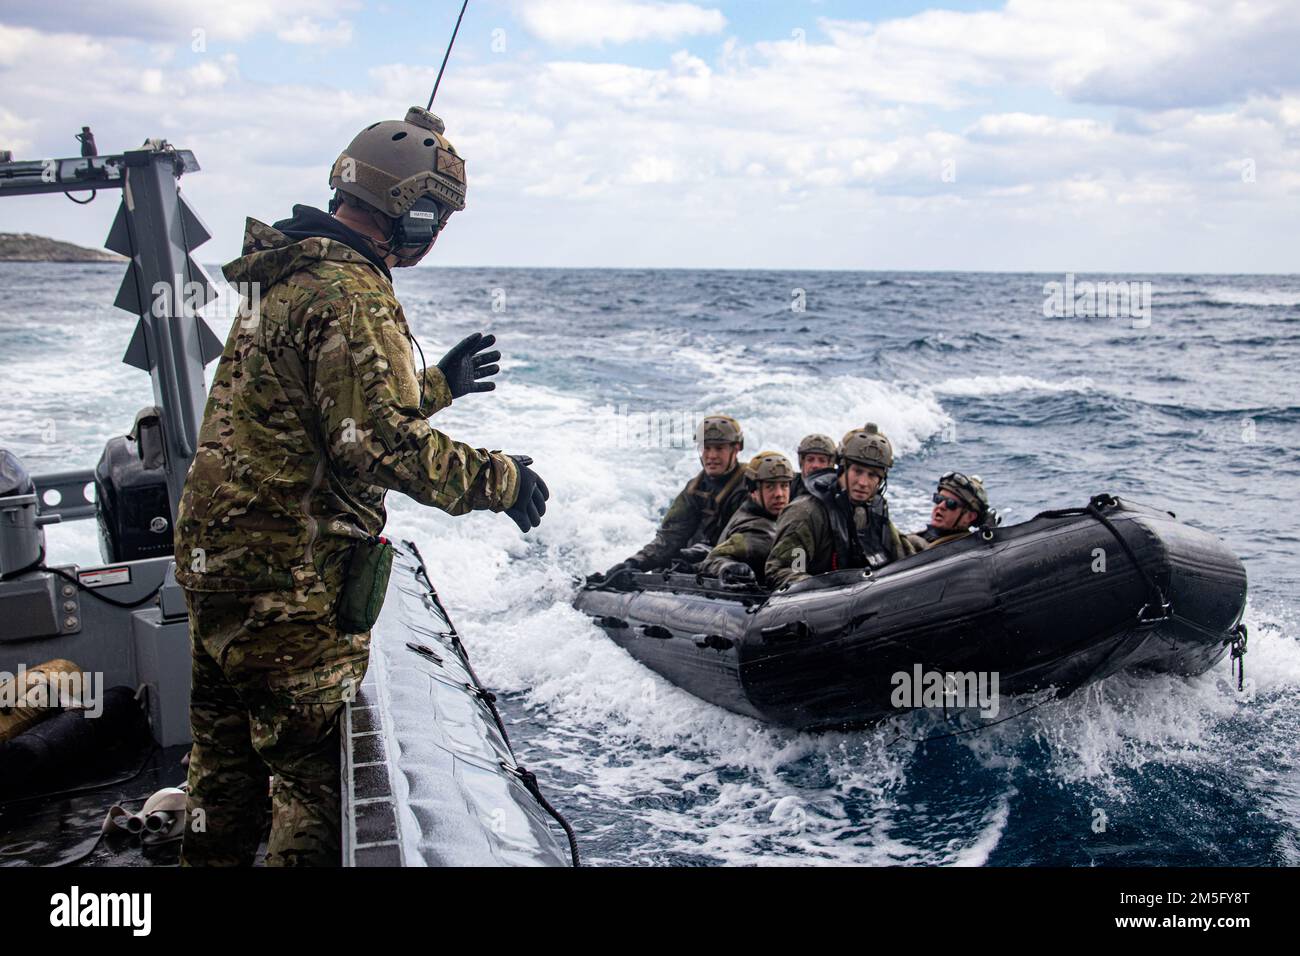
(316, 412)
(960, 505)
(816, 453)
(744, 544)
(843, 520)
(702, 509)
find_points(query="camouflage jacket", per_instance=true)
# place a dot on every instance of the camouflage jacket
(315, 413)
(813, 536)
(799, 486)
(933, 537)
(747, 537)
(698, 513)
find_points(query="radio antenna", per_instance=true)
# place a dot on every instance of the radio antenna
(447, 55)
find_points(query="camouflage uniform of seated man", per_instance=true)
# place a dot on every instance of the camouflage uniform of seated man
(316, 412)
(843, 520)
(960, 505)
(702, 509)
(746, 540)
(816, 453)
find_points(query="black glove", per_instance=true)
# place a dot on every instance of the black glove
(631, 564)
(695, 553)
(467, 363)
(529, 507)
(737, 572)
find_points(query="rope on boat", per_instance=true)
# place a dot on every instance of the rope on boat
(1163, 611)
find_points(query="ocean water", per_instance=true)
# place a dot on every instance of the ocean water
(1197, 411)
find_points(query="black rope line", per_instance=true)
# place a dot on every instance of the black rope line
(1162, 605)
(530, 783)
(1238, 660)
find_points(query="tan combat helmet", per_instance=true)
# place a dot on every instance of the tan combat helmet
(720, 428)
(768, 466)
(867, 446)
(391, 164)
(969, 490)
(817, 445)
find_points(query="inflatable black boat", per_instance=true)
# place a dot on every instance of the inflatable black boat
(1058, 602)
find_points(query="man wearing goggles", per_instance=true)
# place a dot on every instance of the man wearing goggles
(960, 505)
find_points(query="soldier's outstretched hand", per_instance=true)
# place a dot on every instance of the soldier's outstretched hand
(467, 365)
(530, 505)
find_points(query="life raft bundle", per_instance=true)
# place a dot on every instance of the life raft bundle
(1060, 601)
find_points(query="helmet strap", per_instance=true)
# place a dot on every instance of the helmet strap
(387, 246)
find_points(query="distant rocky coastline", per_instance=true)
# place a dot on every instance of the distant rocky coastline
(25, 247)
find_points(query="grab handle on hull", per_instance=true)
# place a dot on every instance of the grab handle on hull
(715, 641)
(783, 633)
(653, 630)
(614, 623)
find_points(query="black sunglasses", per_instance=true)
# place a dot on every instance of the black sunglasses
(952, 504)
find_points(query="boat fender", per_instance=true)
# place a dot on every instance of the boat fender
(37, 695)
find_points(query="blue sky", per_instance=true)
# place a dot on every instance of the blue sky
(1135, 136)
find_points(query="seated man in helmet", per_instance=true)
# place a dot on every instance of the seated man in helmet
(960, 504)
(746, 540)
(816, 453)
(843, 520)
(702, 509)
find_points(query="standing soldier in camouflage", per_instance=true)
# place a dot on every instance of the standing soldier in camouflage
(702, 509)
(843, 520)
(316, 412)
(960, 505)
(745, 542)
(816, 453)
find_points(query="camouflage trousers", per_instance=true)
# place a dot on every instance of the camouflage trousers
(271, 675)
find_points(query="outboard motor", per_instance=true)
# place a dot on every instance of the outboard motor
(131, 502)
(22, 539)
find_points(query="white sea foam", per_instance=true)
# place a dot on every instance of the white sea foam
(1259, 297)
(980, 385)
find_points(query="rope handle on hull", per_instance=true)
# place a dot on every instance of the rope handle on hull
(1238, 660)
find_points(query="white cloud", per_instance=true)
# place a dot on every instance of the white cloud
(15, 132)
(1147, 53)
(308, 32)
(573, 23)
(213, 73)
(174, 20)
(827, 153)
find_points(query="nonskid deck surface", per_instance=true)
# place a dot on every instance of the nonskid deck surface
(64, 829)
